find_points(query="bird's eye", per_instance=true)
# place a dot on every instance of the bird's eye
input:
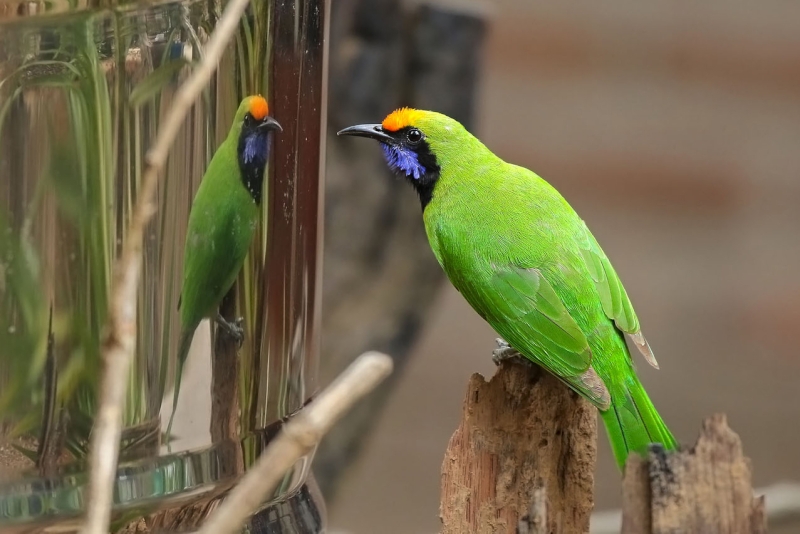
(414, 136)
(248, 120)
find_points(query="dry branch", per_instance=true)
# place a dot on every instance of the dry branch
(522, 431)
(299, 437)
(703, 489)
(120, 329)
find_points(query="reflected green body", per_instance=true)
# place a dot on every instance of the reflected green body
(222, 220)
(221, 224)
(527, 263)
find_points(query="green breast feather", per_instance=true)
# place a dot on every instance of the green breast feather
(220, 228)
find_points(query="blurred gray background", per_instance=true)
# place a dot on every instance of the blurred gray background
(673, 128)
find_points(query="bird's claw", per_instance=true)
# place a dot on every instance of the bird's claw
(504, 352)
(234, 328)
(501, 343)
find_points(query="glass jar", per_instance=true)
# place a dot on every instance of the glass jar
(83, 89)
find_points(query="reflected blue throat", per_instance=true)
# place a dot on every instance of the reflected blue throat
(255, 149)
(253, 154)
(403, 160)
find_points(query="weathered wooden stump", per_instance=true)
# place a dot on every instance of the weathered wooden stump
(706, 488)
(522, 462)
(524, 438)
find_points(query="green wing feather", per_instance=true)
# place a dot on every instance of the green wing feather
(538, 324)
(616, 304)
(530, 304)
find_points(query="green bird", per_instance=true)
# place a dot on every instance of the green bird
(223, 217)
(527, 263)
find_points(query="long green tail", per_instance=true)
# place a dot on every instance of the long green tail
(632, 422)
(183, 352)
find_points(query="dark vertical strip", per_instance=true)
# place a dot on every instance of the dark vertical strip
(297, 102)
(311, 113)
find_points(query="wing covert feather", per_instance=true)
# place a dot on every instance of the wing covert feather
(526, 294)
(524, 304)
(616, 304)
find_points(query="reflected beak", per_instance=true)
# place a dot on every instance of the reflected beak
(270, 124)
(373, 131)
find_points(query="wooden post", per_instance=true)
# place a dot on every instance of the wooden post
(526, 445)
(706, 488)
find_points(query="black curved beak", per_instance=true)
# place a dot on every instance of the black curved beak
(270, 124)
(373, 131)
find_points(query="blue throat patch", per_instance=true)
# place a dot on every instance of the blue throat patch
(253, 151)
(256, 146)
(403, 160)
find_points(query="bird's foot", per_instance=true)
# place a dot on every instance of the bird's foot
(504, 352)
(234, 328)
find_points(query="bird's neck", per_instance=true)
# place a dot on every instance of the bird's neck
(253, 153)
(465, 174)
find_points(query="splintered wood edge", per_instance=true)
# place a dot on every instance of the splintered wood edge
(463, 482)
(636, 496)
(655, 488)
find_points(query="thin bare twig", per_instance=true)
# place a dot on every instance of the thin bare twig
(299, 437)
(120, 329)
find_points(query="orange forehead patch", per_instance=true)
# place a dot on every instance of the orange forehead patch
(258, 107)
(400, 118)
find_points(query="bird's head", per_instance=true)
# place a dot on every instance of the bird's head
(252, 128)
(415, 144)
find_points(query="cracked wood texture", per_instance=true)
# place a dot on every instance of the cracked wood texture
(523, 434)
(706, 488)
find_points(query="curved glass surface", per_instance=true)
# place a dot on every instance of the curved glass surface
(83, 89)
